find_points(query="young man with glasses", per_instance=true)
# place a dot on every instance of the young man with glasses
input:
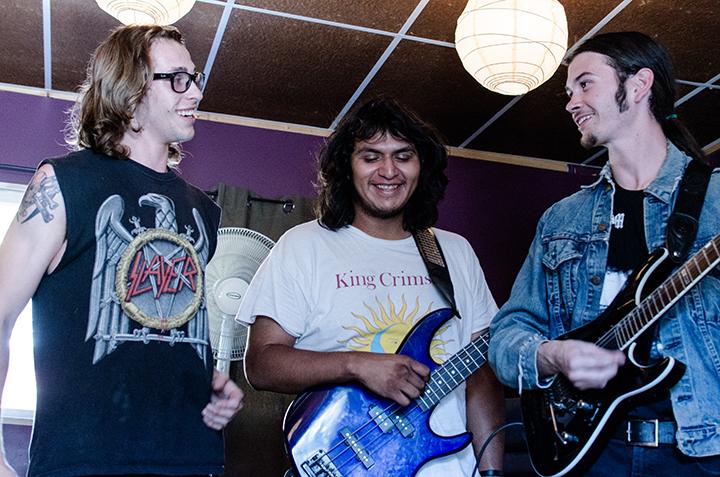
(111, 245)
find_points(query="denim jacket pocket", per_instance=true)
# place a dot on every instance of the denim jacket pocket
(561, 261)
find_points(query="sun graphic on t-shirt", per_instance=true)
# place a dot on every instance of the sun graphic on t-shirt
(385, 327)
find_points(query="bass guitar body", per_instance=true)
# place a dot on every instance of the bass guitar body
(349, 431)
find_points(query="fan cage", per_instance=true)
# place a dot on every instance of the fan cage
(239, 253)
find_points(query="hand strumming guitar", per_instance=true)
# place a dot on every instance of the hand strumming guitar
(586, 365)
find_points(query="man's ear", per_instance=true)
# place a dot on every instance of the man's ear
(640, 84)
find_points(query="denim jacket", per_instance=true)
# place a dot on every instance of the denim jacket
(559, 286)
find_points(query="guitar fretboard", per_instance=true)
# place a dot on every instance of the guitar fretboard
(454, 371)
(663, 297)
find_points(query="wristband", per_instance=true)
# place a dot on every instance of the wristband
(491, 473)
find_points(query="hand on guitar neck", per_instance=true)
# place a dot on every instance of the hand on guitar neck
(392, 376)
(584, 364)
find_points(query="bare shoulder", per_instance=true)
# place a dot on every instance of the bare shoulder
(33, 243)
(42, 198)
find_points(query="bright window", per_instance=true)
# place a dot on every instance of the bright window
(18, 399)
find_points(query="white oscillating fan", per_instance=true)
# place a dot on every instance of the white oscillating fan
(238, 255)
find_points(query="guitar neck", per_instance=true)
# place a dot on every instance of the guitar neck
(454, 371)
(663, 297)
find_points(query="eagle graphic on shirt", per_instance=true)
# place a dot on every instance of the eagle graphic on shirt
(147, 283)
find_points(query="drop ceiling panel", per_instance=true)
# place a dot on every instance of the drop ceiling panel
(72, 51)
(438, 20)
(288, 70)
(21, 43)
(583, 15)
(382, 15)
(688, 29)
(431, 80)
(536, 126)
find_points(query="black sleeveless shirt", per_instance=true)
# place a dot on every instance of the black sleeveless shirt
(122, 353)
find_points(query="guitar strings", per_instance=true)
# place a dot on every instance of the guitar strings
(656, 295)
(353, 462)
(627, 321)
(390, 411)
(352, 458)
(375, 425)
(476, 354)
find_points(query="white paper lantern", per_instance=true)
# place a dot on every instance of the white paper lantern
(147, 12)
(511, 46)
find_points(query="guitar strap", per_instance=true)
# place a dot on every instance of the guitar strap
(432, 255)
(683, 223)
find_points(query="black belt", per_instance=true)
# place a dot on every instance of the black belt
(647, 432)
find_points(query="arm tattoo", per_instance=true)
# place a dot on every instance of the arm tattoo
(38, 198)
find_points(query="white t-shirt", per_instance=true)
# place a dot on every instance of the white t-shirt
(345, 290)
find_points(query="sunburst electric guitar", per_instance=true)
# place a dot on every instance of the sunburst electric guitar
(349, 431)
(564, 426)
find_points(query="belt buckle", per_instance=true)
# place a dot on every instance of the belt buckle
(656, 434)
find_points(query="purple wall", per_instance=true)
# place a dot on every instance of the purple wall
(496, 206)
(270, 163)
(30, 129)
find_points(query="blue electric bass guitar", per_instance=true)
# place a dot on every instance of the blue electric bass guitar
(563, 424)
(349, 431)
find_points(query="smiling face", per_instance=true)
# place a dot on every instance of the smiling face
(164, 116)
(385, 172)
(597, 99)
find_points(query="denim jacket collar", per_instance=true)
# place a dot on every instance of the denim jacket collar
(605, 175)
(670, 174)
(666, 181)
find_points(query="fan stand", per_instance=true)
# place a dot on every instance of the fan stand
(239, 253)
(228, 294)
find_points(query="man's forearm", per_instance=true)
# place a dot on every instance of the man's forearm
(485, 406)
(283, 369)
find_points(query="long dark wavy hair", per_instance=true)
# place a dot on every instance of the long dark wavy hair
(627, 53)
(118, 76)
(335, 206)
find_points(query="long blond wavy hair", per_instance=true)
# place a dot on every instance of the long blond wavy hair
(118, 76)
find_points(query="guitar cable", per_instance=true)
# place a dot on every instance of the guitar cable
(480, 453)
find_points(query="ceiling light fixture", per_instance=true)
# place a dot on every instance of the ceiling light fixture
(144, 12)
(511, 46)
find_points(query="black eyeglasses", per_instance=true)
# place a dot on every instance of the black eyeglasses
(180, 80)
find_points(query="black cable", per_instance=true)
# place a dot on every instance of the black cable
(487, 442)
